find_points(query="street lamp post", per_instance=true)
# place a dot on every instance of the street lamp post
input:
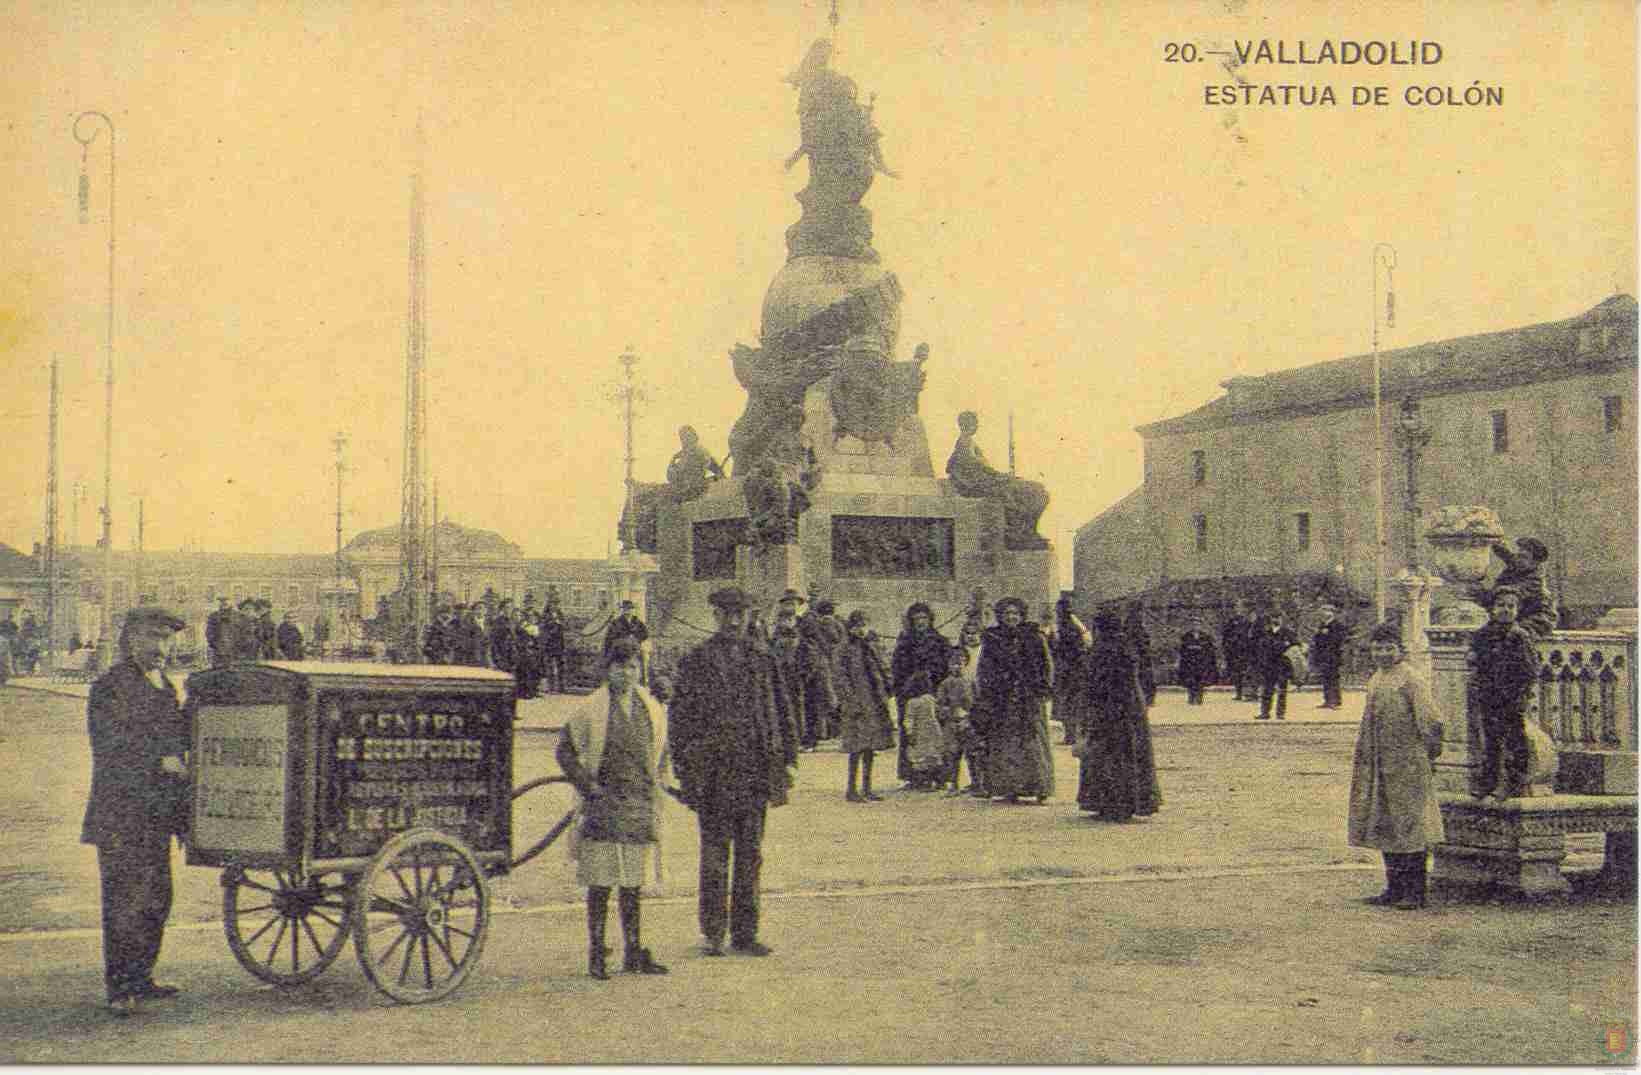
(103, 657)
(1383, 254)
(1414, 433)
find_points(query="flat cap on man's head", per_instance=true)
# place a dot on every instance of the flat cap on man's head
(729, 599)
(625, 605)
(154, 616)
(791, 595)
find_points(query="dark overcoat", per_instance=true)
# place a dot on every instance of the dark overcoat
(133, 724)
(731, 735)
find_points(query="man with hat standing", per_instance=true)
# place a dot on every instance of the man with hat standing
(1327, 651)
(627, 625)
(219, 633)
(793, 656)
(734, 747)
(139, 796)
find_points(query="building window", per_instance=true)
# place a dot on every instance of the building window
(1302, 530)
(1201, 522)
(1612, 413)
(265, 591)
(1199, 467)
(293, 594)
(181, 589)
(1501, 432)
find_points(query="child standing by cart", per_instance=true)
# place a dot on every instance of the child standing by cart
(614, 750)
(1392, 788)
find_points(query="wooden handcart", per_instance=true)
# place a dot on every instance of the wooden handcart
(356, 800)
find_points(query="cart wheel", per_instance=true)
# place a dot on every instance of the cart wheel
(420, 913)
(540, 803)
(284, 930)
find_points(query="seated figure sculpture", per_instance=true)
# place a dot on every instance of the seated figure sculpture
(1023, 500)
(691, 467)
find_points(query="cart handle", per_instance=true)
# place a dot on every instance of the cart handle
(555, 832)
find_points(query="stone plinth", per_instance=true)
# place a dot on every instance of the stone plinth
(1450, 685)
(1519, 845)
(834, 555)
(1597, 772)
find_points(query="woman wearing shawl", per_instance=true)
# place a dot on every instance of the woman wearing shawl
(1118, 778)
(614, 750)
(1016, 677)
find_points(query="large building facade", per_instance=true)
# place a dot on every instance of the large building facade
(1276, 479)
(470, 562)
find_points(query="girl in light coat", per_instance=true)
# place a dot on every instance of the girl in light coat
(614, 750)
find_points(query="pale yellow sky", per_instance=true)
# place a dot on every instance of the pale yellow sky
(1081, 239)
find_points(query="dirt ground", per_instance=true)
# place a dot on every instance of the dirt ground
(1227, 929)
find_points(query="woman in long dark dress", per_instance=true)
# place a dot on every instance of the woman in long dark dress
(1016, 678)
(920, 648)
(1118, 777)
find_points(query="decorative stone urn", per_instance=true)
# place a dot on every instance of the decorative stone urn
(1461, 540)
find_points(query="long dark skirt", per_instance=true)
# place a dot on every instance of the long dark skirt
(1118, 777)
(1019, 759)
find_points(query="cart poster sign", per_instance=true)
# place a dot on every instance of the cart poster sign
(239, 791)
(413, 767)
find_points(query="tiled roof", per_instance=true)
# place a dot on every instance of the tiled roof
(1535, 352)
(453, 540)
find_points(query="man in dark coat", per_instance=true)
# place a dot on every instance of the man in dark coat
(920, 648)
(552, 646)
(1270, 649)
(735, 750)
(628, 625)
(247, 645)
(437, 641)
(219, 633)
(1327, 653)
(826, 636)
(502, 641)
(138, 798)
(1504, 666)
(289, 639)
(1139, 640)
(793, 656)
(267, 634)
(1197, 661)
(1236, 638)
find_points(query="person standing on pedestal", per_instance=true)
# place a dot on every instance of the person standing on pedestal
(1327, 651)
(139, 788)
(735, 750)
(1504, 666)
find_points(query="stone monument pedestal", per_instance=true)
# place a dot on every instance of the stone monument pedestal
(868, 541)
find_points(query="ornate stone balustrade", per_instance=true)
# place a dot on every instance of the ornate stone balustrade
(1586, 695)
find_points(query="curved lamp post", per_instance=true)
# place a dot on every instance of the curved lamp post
(1383, 254)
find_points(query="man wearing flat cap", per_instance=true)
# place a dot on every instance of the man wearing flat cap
(138, 799)
(734, 746)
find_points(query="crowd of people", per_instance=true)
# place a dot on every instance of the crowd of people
(978, 704)
(524, 640)
(250, 633)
